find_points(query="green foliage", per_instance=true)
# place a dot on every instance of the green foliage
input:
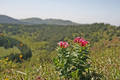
(7, 42)
(72, 62)
(42, 39)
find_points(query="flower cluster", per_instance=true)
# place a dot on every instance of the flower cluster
(63, 44)
(81, 41)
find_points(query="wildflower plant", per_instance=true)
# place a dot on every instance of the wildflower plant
(72, 60)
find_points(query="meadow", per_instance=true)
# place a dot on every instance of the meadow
(42, 40)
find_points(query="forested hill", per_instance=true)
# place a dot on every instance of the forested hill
(9, 20)
(30, 21)
(48, 21)
(54, 33)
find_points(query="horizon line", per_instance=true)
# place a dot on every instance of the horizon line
(59, 19)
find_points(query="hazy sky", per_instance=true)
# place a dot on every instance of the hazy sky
(81, 11)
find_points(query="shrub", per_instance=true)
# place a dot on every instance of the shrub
(72, 60)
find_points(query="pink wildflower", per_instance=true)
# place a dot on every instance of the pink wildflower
(63, 44)
(84, 43)
(76, 40)
(81, 41)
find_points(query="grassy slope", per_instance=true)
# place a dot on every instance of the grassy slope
(105, 57)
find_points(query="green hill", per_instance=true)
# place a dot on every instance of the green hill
(9, 20)
(29, 21)
(48, 21)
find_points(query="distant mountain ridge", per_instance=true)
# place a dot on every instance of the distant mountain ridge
(10, 20)
(48, 21)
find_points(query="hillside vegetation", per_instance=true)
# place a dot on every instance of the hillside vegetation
(42, 40)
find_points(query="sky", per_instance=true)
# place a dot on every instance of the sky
(81, 11)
